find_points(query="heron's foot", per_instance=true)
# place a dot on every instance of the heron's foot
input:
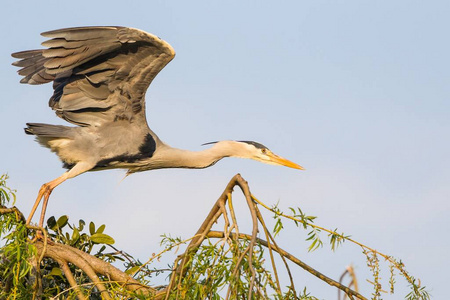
(40, 233)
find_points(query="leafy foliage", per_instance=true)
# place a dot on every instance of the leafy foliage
(216, 270)
(54, 282)
(16, 253)
(234, 266)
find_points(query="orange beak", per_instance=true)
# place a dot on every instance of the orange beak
(275, 159)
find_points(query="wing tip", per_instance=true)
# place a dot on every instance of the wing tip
(26, 54)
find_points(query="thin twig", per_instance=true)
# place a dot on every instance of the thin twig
(276, 247)
(266, 232)
(340, 281)
(232, 213)
(128, 257)
(45, 239)
(399, 266)
(354, 281)
(226, 226)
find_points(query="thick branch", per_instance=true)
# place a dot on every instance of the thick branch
(65, 267)
(61, 252)
(5, 210)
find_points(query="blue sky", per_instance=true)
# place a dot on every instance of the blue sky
(355, 91)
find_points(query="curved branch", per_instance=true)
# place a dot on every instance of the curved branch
(209, 221)
(270, 238)
(206, 226)
(86, 267)
(65, 268)
(251, 205)
(93, 265)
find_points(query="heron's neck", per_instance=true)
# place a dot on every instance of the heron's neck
(179, 158)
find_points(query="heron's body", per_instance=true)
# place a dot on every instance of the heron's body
(100, 76)
(118, 144)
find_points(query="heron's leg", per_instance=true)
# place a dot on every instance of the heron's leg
(48, 187)
(36, 203)
(44, 192)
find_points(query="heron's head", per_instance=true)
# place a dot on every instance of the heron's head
(255, 151)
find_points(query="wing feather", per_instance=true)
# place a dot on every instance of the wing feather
(32, 67)
(60, 42)
(82, 33)
(100, 74)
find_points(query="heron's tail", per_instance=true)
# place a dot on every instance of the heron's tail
(58, 138)
(45, 133)
(47, 130)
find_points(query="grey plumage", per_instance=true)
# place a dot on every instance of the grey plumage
(100, 76)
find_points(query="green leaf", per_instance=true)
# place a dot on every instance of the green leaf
(75, 236)
(311, 247)
(101, 229)
(62, 221)
(278, 227)
(91, 228)
(101, 238)
(56, 272)
(132, 270)
(51, 222)
(81, 226)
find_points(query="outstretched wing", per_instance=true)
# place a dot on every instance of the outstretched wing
(99, 74)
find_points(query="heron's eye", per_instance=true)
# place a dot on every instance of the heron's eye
(264, 151)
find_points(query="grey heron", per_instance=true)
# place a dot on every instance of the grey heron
(100, 76)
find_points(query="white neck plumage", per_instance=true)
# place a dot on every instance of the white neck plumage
(168, 157)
